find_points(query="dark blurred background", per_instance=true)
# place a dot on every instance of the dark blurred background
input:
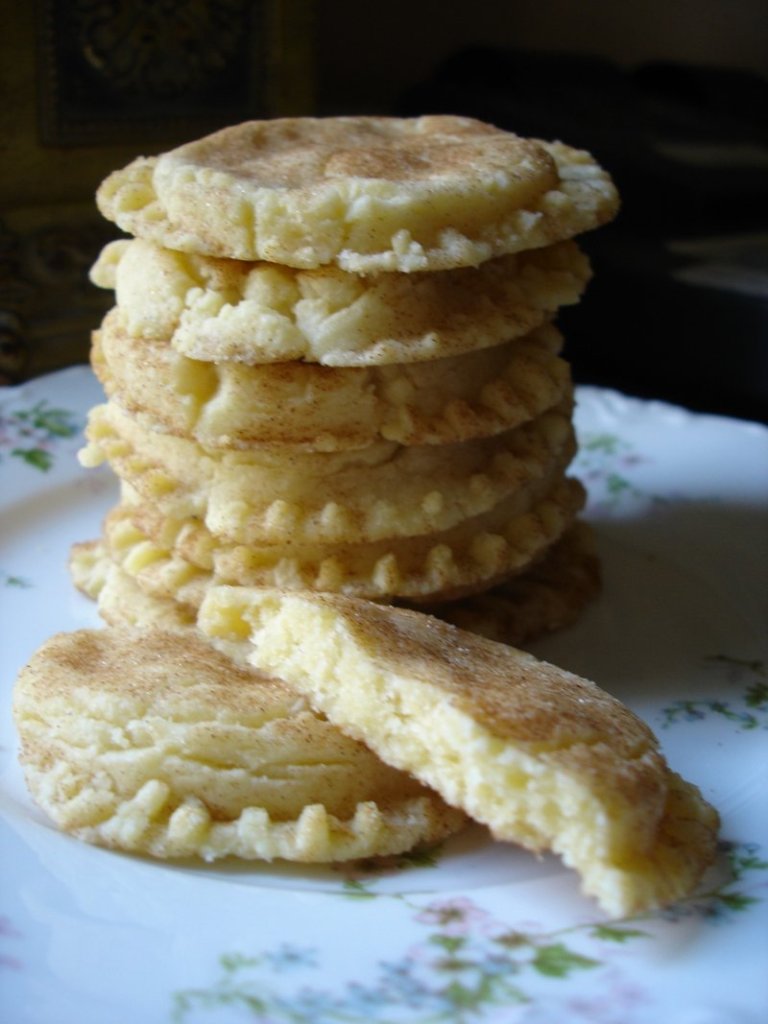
(670, 95)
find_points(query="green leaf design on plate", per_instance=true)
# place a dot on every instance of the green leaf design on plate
(37, 457)
(557, 961)
(605, 462)
(31, 434)
(15, 581)
(356, 889)
(359, 879)
(451, 943)
(51, 422)
(608, 444)
(609, 933)
(749, 709)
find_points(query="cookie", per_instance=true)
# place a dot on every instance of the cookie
(180, 559)
(220, 310)
(270, 496)
(300, 405)
(119, 598)
(367, 194)
(547, 596)
(544, 758)
(155, 743)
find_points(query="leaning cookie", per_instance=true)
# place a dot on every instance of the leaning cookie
(155, 743)
(544, 758)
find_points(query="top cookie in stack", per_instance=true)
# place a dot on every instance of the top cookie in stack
(332, 366)
(366, 194)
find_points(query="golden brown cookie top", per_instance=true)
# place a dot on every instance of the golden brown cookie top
(168, 673)
(365, 193)
(518, 697)
(299, 153)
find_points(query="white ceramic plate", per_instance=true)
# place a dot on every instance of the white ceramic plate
(477, 932)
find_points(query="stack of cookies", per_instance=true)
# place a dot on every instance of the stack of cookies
(332, 374)
(332, 366)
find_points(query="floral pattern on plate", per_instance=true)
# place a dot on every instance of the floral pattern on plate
(32, 433)
(463, 964)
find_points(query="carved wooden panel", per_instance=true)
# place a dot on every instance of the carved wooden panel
(148, 69)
